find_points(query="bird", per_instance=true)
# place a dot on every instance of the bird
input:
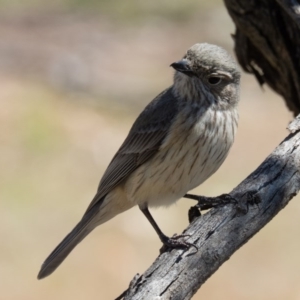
(177, 142)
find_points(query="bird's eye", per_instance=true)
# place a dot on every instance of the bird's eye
(214, 80)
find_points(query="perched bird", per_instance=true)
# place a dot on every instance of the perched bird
(180, 139)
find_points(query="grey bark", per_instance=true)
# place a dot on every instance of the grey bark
(178, 274)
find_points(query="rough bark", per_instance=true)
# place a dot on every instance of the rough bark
(178, 274)
(267, 44)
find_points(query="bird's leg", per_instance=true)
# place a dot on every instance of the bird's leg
(169, 242)
(210, 202)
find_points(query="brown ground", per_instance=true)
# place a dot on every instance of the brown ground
(69, 94)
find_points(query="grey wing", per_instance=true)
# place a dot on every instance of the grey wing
(142, 142)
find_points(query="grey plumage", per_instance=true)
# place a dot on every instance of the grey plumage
(178, 141)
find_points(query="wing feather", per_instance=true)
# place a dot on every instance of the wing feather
(142, 142)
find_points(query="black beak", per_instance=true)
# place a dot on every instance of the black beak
(183, 67)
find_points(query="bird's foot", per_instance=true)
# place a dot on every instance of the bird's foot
(205, 203)
(251, 198)
(210, 202)
(175, 242)
(193, 213)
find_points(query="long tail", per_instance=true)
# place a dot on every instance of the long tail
(81, 230)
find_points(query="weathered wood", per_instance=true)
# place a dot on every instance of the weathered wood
(220, 232)
(267, 44)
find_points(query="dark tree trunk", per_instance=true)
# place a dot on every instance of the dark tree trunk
(267, 44)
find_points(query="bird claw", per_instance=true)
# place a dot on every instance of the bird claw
(205, 203)
(173, 242)
(252, 198)
(194, 213)
(210, 202)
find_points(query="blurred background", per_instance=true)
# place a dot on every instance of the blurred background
(74, 75)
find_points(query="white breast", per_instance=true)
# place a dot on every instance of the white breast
(191, 153)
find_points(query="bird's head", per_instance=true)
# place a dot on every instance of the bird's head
(208, 70)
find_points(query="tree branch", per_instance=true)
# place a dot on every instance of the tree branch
(178, 274)
(267, 43)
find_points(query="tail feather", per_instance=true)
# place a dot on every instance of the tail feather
(58, 255)
(102, 210)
